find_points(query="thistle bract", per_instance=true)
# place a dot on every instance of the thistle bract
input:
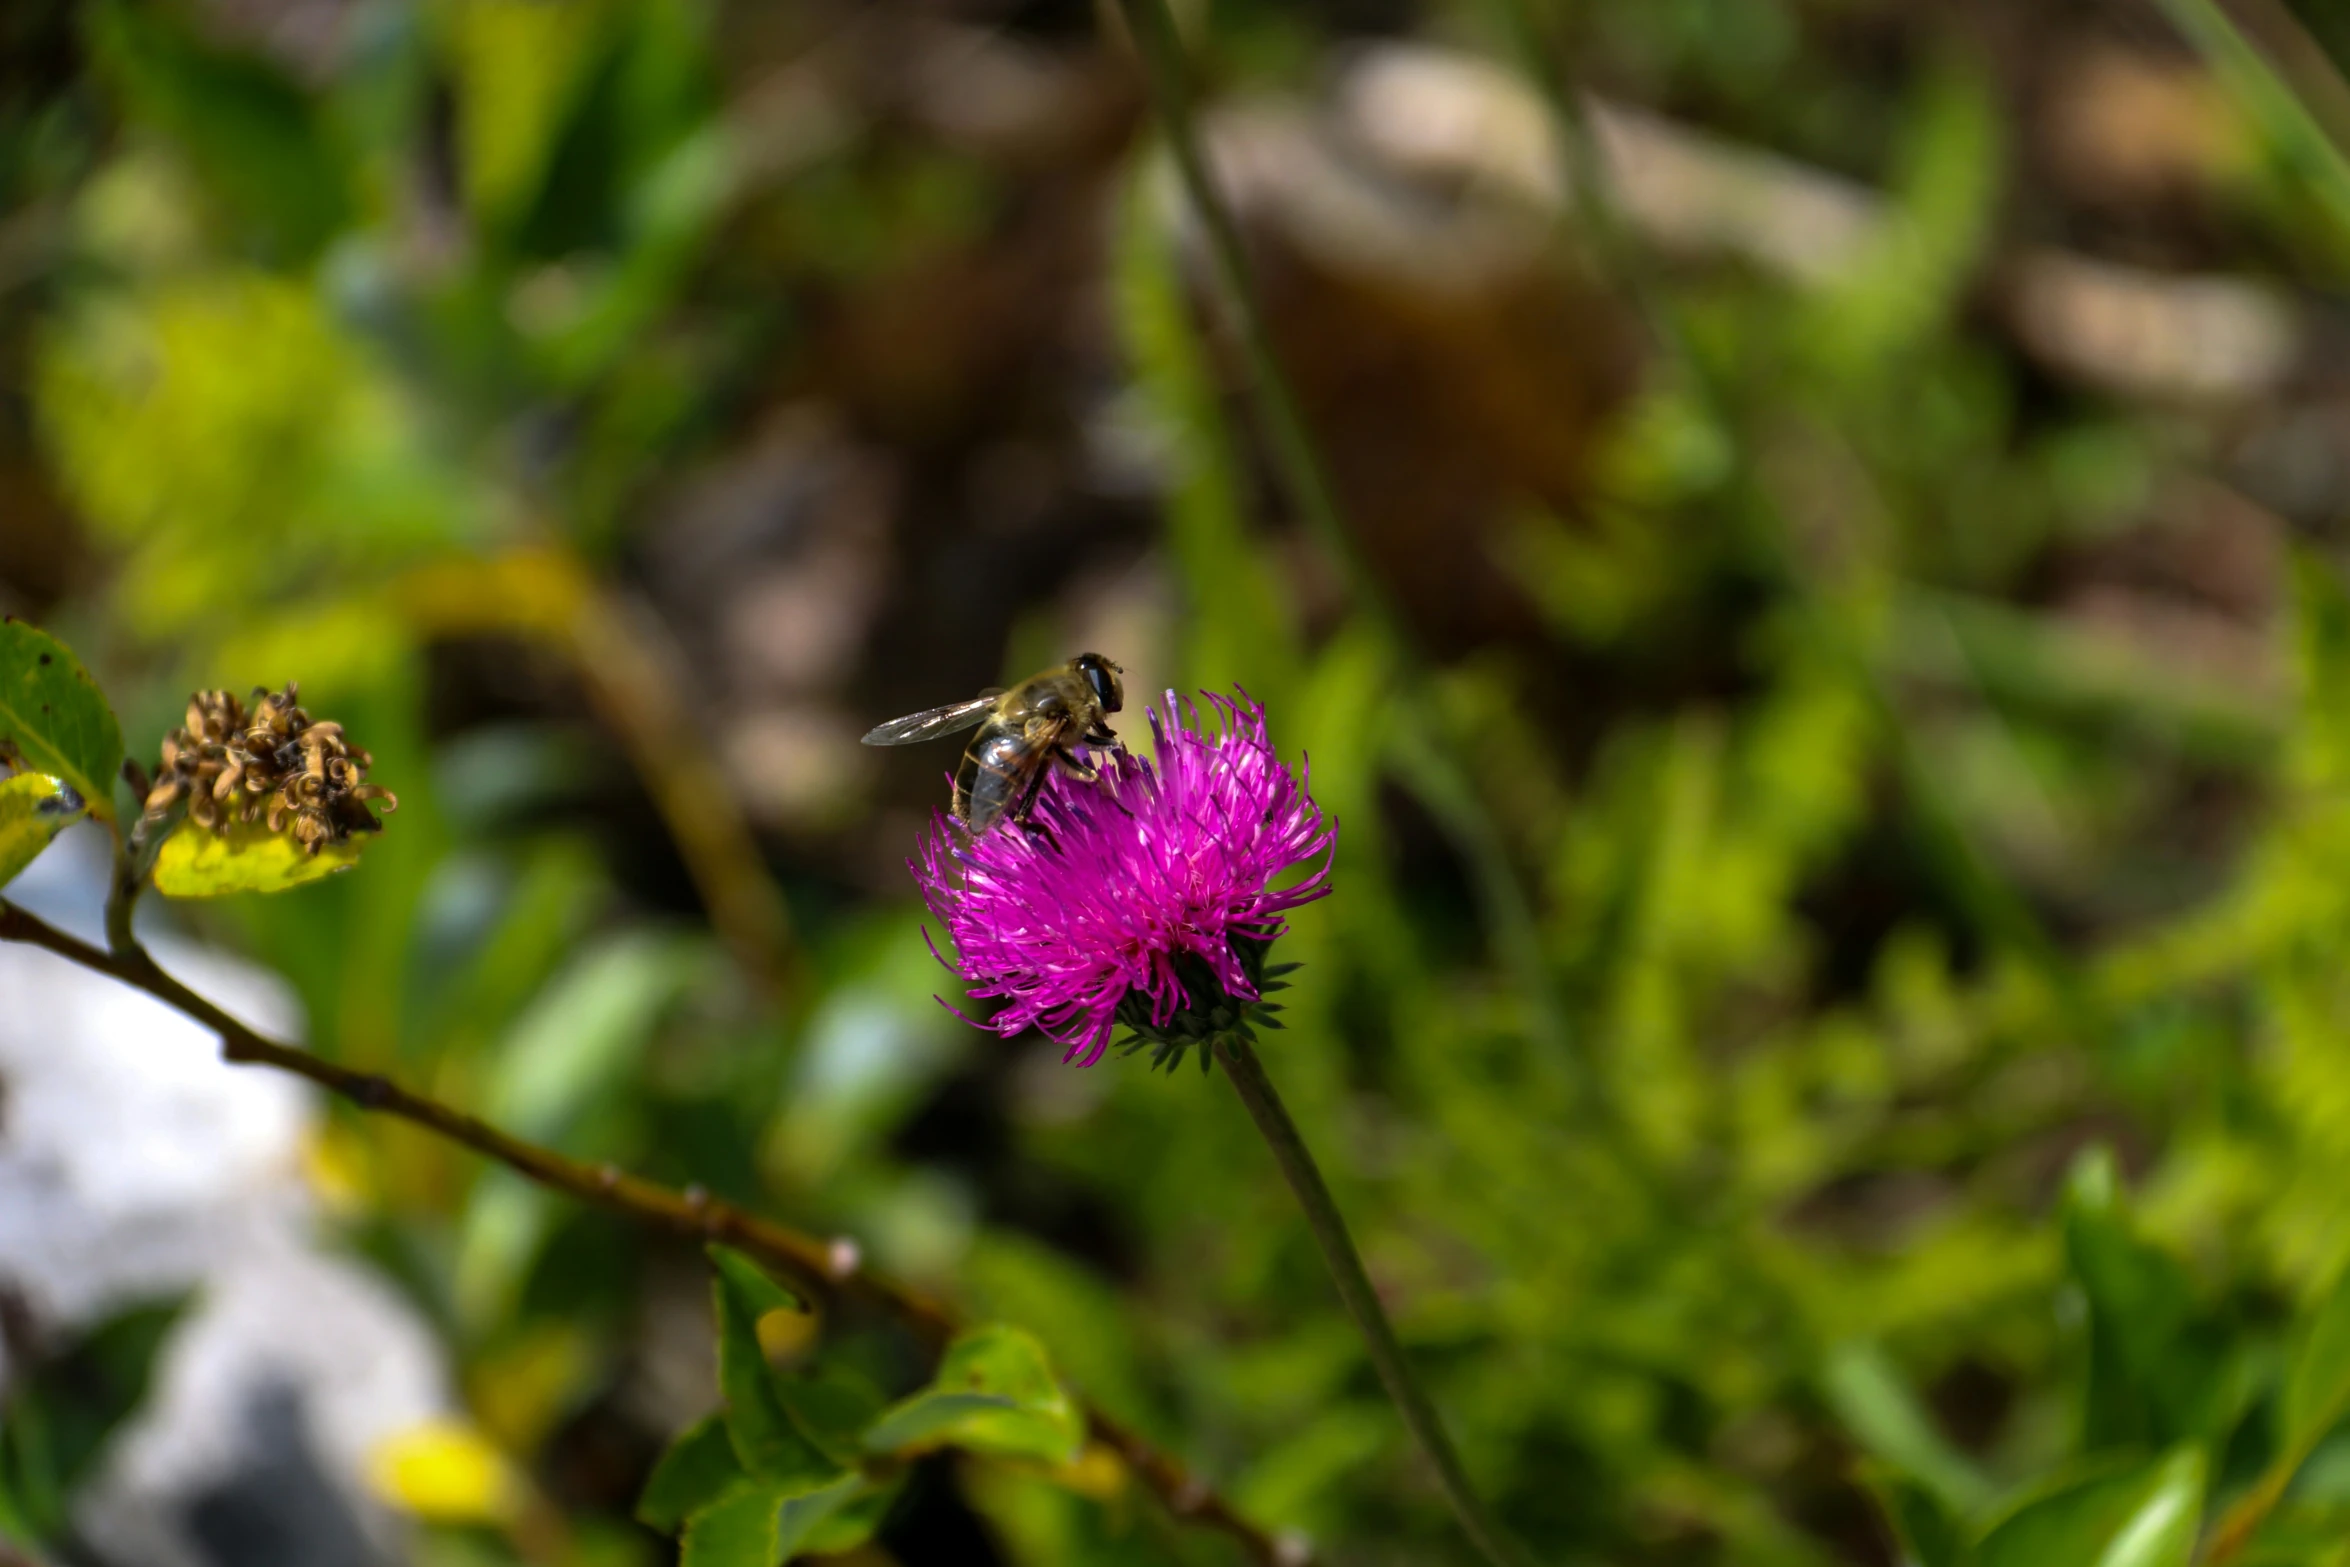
(1146, 897)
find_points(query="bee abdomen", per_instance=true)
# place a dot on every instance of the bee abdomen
(993, 777)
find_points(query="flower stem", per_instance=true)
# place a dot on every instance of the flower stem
(1362, 1302)
(1306, 477)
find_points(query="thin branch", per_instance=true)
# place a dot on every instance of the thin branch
(122, 895)
(829, 1269)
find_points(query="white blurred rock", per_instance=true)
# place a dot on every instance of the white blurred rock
(134, 1163)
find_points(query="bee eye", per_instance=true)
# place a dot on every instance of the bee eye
(1104, 682)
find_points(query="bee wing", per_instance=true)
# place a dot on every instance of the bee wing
(930, 725)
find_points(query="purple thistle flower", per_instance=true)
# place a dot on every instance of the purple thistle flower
(1123, 885)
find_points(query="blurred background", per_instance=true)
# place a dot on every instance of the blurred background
(1835, 676)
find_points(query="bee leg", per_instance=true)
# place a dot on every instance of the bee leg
(1027, 804)
(1100, 738)
(1067, 761)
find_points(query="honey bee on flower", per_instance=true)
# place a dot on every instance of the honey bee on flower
(1145, 897)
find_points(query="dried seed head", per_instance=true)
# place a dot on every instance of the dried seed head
(269, 762)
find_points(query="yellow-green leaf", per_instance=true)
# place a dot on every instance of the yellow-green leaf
(2143, 1517)
(995, 1393)
(195, 862)
(763, 1522)
(519, 67)
(53, 718)
(34, 808)
(766, 1442)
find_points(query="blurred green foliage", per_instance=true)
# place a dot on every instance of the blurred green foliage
(1832, 1056)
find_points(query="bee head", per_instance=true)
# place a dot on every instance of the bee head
(1102, 676)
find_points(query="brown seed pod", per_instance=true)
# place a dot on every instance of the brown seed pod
(269, 761)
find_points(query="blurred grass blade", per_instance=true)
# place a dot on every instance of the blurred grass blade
(1239, 627)
(2295, 134)
(2317, 1391)
(586, 1031)
(2155, 1373)
(1928, 1535)
(1876, 1406)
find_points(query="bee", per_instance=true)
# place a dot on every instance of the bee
(1022, 733)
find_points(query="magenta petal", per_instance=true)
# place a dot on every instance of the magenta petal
(1126, 874)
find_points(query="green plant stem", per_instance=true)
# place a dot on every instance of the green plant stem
(1312, 492)
(828, 1269)
(2239, 1523)
(1156, 39)
(1362, 1301)
(122, 897)
(1590, 191)
(1303, 474)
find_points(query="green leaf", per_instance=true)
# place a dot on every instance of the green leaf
(2156, 1369)
(995, 1393)
(833, 1407)
(697, 1470)
(1929, 1536)
(2317, 1389)
(52, 717)
(518, 68)
(853, 1524)
(34, 808)
(759, 1292)
(931, 1419)
(196, 862)
(765, 1440)
(804, 1516)
(2142, 1517)
(258, 143)
(763, 1522)
(737, 1531)
(1920, 258)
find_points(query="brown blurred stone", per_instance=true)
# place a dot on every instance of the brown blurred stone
(2126, 126)
(1452, 362)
